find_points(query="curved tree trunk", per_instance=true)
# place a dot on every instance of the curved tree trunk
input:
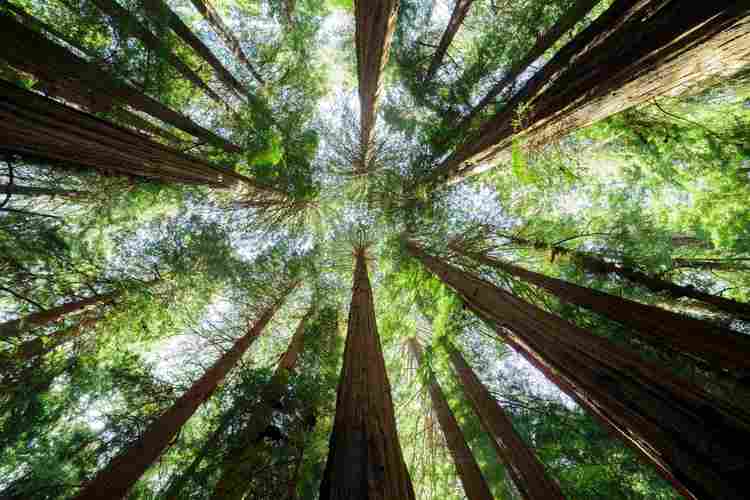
(635, 51)
(691, 437)
(32, 52)
(472, 480)
(233, 482)
(460, 9)
(115, 480)
(520, 461)
(375, 23)
(210, 14)
(364, 459)
(721, 348)
(159, 9)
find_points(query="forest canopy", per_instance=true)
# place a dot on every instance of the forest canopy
(374, 249)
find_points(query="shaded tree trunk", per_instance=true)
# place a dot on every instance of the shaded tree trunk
(29, 51)
(635, 51)
(721, 348)
(691, 437)
(472, 480)
(238, 465)
(210, 14)
(159, 9)
(567, 21)
(16, 327)
(521, 462)
(36, 127)
(42, 345)
(375, 23)
(460, 9)
(364, 459)
(128, 26)
(729, 264)
(122, 472)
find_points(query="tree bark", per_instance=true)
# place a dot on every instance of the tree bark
(238, 465)
(472, 480)
(364, 459)
(42, 345)
(691, 437)
(635, 51)
(210, 14)
(159, 9)
(37, 127)
(16, 327)
(116, 479)
(720, 347)
(521, 462)
(460, 10)
(375, 23)
(128, 26)
(569, 19)
(32, 52)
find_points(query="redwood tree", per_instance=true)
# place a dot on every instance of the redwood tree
(364, 459)
(690, 436)
(460, 10)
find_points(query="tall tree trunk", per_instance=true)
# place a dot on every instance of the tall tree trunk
(597, 265)
(159, 9)
(375, 23)
(15, 189)
(16, 327)
(691, 437)
(570, 18)
(44, 344)
(37, 127)
(128, 26)
(721, 348)
(460, 9)
(116, 479)
(238, 465)
(521, 462)
(472, 480)
(729, 264)
(29, 51)
(364, 459)
(635, 51)
(210, 14)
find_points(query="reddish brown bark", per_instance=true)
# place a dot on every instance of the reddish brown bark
(210, 14)
(159, 9)
(573, 15)
(635, 51)
(16, 327)
(32, 52)
(720, 347)
(460, 10)
(521, 462)
(116, 479)
(128, 25)
(238, 464)
(42, 345)
(37, 127)
(691, 437)
(375, 23)
(472, 480)
(364, 459)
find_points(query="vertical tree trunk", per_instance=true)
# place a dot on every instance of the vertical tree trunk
(210, 14)
(238, 465)
(375, 23)
(522, 464)
(116, 479)
(159, 9)
(364, 459)
(472, 480)
(32, 52)
(128, 25)
(690, 436)
(460, 9)
(720, 347)
(635, 51)
(16, 327)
